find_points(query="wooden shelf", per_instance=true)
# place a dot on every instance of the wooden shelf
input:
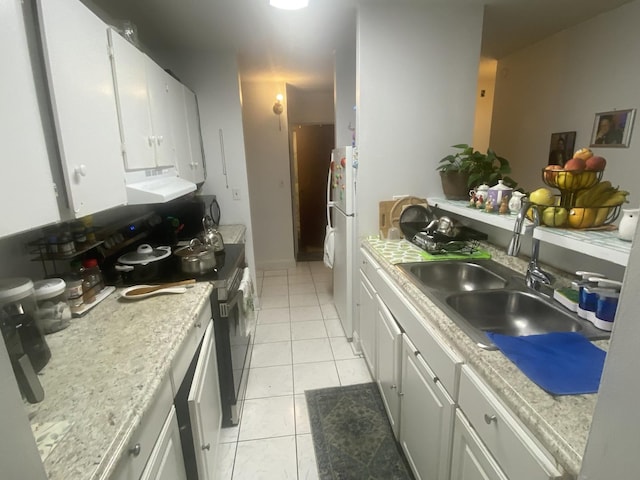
(604, 245)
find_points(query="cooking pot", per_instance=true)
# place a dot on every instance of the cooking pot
(144, 264)
(196, 258)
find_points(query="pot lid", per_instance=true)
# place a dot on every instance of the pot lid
(144, 254)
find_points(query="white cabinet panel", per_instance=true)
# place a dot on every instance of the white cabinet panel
(205, 409)
(27, 186)
(389, 349)
(199, 170)
(84, 107)
(166, 461)
(426, 418)
(160, 108)
(368, 309)
(130, 80)
(180, 129)
(470, 459)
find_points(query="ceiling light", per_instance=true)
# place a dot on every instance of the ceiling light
(289, 4)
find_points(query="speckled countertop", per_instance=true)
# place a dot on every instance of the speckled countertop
(105, 371)
(560, 423)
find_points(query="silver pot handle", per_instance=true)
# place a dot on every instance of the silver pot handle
(124, 268)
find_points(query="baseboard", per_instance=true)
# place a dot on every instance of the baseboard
(355, 344)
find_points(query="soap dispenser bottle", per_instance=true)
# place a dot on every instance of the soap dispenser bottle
(608, 292)
(587, 299)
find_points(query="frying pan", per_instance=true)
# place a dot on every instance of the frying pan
(414, 219)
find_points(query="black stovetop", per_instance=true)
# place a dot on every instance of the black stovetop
(227, 262)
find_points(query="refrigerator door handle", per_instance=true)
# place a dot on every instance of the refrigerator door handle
(330, 204)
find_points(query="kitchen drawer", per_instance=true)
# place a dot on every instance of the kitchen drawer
(367, 264)
(183, 358)
(519, 455)
(439, 356)
(139, 448)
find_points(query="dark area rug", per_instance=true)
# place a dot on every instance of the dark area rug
(352, 436)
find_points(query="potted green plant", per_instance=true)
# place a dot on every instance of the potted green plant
(469, 168)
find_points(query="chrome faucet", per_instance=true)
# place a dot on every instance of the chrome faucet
(535, 278)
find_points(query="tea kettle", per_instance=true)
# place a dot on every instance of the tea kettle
(211, 236)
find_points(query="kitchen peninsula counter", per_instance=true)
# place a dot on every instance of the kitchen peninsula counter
(560, 423)
(105, 371)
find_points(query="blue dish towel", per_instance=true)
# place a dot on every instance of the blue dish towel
(563, 363)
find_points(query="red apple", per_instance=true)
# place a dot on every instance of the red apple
(595, 163)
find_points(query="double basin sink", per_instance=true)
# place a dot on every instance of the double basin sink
(484, 296)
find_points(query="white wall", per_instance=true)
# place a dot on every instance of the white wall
(268, 167)
(345, 91)
(559, 84)
(416, 82)
(213, 76)
(305, 107)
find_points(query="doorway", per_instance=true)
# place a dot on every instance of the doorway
(311, 145)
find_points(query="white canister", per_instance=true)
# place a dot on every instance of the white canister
(627, 227)
(515, 202)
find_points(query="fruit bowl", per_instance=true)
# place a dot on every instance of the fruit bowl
(571, 180)
(576, 217)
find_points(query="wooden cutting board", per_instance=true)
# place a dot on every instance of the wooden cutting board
(390, 210)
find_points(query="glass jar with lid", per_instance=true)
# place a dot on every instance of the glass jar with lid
(54, 313)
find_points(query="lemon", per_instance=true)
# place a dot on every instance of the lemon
(542, 196)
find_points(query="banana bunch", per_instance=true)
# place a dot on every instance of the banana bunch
(602, 194)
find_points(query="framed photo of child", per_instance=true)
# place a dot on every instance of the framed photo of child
(613, 129)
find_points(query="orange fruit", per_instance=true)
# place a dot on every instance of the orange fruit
(582, 217)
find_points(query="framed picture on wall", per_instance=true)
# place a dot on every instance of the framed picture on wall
(561, 147)
(613, 129)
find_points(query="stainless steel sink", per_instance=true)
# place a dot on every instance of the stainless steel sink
(484, 296)
(455, 276)
(511, 312)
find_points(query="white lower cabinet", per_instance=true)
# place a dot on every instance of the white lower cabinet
(470, 459)
(426, 417)
(205, 409)
(166, 461)
(143, 443)
(368, 309)
(389, 350)
(513, 447)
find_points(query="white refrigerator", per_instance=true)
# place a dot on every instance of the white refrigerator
(341, 190)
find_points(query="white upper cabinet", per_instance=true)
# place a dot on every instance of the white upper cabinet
(160, 108)
(179, 129)
(84, 108)
(185, 127)
(130, 80)
(198, 167)
(144, 105)
(27, 186)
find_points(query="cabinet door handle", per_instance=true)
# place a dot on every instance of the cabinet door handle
(206, 447)
(80, 170)
(135, 450)
(151, 140)
(159, 139)
(490, 418)
(393, 387)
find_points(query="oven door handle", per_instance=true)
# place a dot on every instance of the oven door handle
(226, 307)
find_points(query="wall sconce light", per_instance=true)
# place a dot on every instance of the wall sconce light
(278, 109)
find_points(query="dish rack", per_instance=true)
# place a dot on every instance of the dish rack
(438, 245)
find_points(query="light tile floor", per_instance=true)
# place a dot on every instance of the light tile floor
(299, 345)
